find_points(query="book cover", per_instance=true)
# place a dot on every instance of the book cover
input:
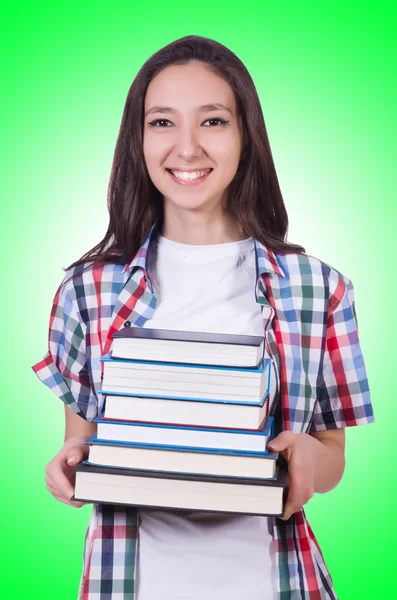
(189, 336)
(267, 453)
(264, 432)
(263, 365)
(108, 392)
(281, 481)
(187, 474)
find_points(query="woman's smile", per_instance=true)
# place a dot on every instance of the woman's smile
(189, 178)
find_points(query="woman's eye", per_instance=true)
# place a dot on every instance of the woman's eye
(154, 123)
(221, 121)
(157, 122)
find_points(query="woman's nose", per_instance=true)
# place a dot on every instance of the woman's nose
(188, 143)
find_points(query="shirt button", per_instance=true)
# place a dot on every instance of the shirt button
(145, 278)
(127, 324)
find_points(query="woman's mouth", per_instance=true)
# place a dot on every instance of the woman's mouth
(189, 178)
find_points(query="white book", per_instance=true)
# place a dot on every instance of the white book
(232, 464)
(160, 490)
(186, 412)
(145, 378)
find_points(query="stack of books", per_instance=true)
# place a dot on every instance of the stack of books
(185, 425)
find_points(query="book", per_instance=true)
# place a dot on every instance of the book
(181, 381)
(206, 438)
(181, 460)
(200, 413)
(174, 491)
(188, 346)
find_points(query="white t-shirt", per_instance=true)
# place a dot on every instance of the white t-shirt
(204, 555)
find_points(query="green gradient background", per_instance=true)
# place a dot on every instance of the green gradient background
(325, 82)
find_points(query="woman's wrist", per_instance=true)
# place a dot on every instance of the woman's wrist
(329, 463)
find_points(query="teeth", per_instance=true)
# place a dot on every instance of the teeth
(186, 175)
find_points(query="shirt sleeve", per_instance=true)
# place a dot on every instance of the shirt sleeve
(344, 397)
(64, 368)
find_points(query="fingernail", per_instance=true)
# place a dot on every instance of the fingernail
(72, 459)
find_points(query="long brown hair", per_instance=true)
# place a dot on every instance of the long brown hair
(135, 204)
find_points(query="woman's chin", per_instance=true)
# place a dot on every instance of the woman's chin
(188, 202)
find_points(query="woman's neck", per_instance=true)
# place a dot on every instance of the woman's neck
(198, 229)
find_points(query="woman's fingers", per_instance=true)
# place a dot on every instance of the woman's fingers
(62, 497)
(282, 442)
(300, 475)
(60, 478)
(299, 493)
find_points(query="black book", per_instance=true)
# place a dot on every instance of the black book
(201, 348)
(110, 485)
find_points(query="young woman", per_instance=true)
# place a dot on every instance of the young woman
(196, 241)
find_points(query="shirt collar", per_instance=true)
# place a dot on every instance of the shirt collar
(140, 258)
(266, 259)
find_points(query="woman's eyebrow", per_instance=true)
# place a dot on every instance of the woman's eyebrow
(203, 108)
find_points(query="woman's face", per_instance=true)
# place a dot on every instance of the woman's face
(185, 132)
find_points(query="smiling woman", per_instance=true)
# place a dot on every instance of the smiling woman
(197, 241)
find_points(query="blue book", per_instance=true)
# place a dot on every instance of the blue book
(207, 439)
(189, 460)
(186, 381)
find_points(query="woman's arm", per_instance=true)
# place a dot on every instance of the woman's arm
(329, 456)
(75, 425)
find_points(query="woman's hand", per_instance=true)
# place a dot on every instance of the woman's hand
(299, 450)
(316, 462)
(59, 475)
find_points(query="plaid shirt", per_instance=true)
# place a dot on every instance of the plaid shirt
(310, 327)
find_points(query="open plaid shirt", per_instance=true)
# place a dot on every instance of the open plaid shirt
(310, 326)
